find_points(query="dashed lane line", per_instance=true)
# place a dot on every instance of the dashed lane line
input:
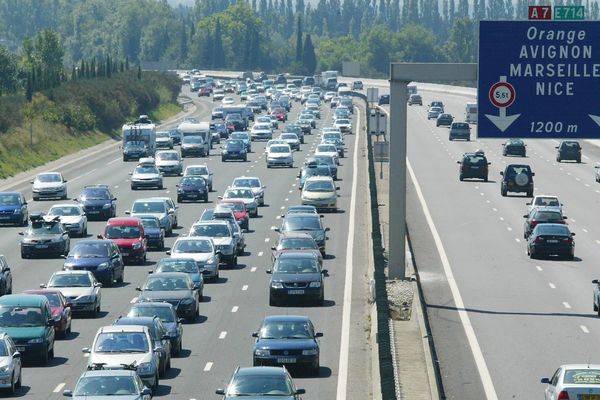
(222, 335)
(566, 305)
(208, 366)
(584, 329)
(234, 309)
(552, 285)
(244, 288)
(260, 253)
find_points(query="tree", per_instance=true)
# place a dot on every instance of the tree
(461, 46)
(299, 39)
(8, 71)
(218, 53)
(139, 72)
(29, 86)
(309, 59)
(183, 42)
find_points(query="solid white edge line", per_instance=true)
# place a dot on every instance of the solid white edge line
(342, 382)
(484, 373)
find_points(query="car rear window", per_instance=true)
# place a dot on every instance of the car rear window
(582, 377)
(544, 229)
(460, 125)
(475, 160)
(548, 216)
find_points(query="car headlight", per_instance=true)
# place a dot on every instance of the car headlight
(319, 237)
(137, 246)
(144, 368)
(277, 285)
(17, 211)
(57, 317)
(310, 352)
(315, 285)
(5, 369)
(210, 261)
(67, 267)
(36, 340)
(262, 352)
(103, 265)
(187, 301)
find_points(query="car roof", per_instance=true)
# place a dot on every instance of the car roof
(303, 215)
(146, 321)
(261, 371)
(108, 372)
(303, 235)
(294, 318)
(123, 328)
(320, 178)
(211, 222)
(23, 300)
(170, 275)
(153, 304)
(124, 221)
(93, 241)
(73, 272)
(297, 254)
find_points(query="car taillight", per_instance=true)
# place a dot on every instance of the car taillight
(539, 239)
(533, 223)
(568, 241)
(563, 395)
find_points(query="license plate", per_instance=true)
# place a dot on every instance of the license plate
(21, 348)
(4, 216)
(552, 241)
(124, 254)
(286, 360)
(41, 246)
(474, 167)
(296, 291)
(192, 195)
(589, 397)
(93, 212)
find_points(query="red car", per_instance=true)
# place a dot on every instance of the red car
(61, 310)
(204, 91)
(239, 212)
(280, 113)
(128, 233)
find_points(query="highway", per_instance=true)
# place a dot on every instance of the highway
(234, 307)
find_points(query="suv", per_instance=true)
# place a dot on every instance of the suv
(415, 99)
(460, 130)
(357, 85)
(383, 99)
(568, 150)
(473, 165)
(517, 178)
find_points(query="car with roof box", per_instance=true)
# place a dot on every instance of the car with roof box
(44, 237)
(473, 165)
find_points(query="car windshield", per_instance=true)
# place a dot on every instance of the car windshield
(37, 228)
(460, 125)
(122, 232)
(342, 122)
(570, 145)
(164, 313)
(445, 116)
(146, 169)
(210, 230)
(326, 149)
(70, 280)
(319, 170)
(167, 156)
(236, 144)
(89, 250)
(149, 207)
(240, 136)
(262, 127)
(121, 342)
(192, 139)
(279, 149)
(260, 385)
(239, 194)
(47, 178)
(475, 160)
(516, 169)
(547, 201)
(202, 170)
(246, 182)
(515, 142)
(192, 246)
(53, 299)
(69, 211)
(106, 386)
(9, 200)
(286, 330)
(582, 377)
(135, 144)
(159, 283)
(297, 243)
(177, 265)
(319, 186)
(304, 223)
(163, 135)
(235, 206)
(289, 136)
(290, 265)
(192, 181)
(95, 194)
(545, 229)
(20, 317)
(150, 223)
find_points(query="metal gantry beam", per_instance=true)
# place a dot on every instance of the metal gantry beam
(400, 75)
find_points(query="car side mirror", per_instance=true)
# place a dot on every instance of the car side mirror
(458, 162)
(42, 285)
(525, 216)
(65, 181)
(255, 334)
(131, 173)
(127, 212)
(68, 393)
(49, 322)
(273, 248)
(146, 391)
(68, 304)
(595, 281)
(157, 349)
(98, 284)
(31, 182)
(327, 229)
(533, 174)
(325, 272)
(572, 233)
(545, 380)
(139, 289)
(489, 163)
(528, 204)
(319, 334)
(564, 217)
(556, 147)
(501, 173)
(16, 354)
(86, 350)
(75, 199)
(220, 391)
(150, 271)
(197, 286)
(21, 233)
(269, 271)
(300, 391)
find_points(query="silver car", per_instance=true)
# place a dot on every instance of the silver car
(155, 207)
(10, 364)
(164, 140)
(253, 183)
(72, 217)
(169, 162)
(201, 249)
(122, 384)
(49, 185)
(222, 237)
(80, 288)
(146, 176)
(201, 170)
(247, 195)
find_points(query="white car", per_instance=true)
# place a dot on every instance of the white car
(320, 192)
(71, 216)
(146, 176)
(280, 155)
(328, 150)
(222, 237)
(329, 95)
(201, 170)
(80, 288)
(434, 112)
(544, 200)
(573, 381)
(10, 364)
(163, 140)
(49, 185)
(169, 162)
(218, 95)
(291, 139)
(254, 183)
(247, 195)
(202, 250)
(272, 142)
(265, 119)
(227, 100)
(332, 135)
(343, 125)
(157, 208)
(261, 131)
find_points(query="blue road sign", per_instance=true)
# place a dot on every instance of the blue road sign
(539, 79)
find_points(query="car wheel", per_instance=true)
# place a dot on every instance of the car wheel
(579, 161)
(485, 179)
(122, 276)
(12, 388)
(503, 192)
(161, 246)
(84, 234)
(19, 382)
(316, 368)
(111, 279)
(558, 159)
(155, 386)
(460, 178)
(530, 193)
(532, 254)
(96, 310)
(51, 353)
(450, 138)
(222, 159)
(206, 199)
(272, 301)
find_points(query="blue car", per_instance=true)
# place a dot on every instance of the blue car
(192, 188)
(99, 256)
(234, 149)
(185, 265)
(153, 230)
(13, 209)
(288, 340)
(98, 202)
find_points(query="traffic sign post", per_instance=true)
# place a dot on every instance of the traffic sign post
(539, 79)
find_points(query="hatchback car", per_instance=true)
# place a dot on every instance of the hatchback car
(514, 147)
(202, 250)
(434, 112)
(234, 149)
(444, 119)
(291, 139)
(517, 178)
(542, 215)
(296, 276)
(10, 361)
(415, 99)
(460, 130)
(222, 237)
(61, 310)
(244, 137)
(175, 288)
(80, 288)
(185, 265)
(305, 222)
(261, 382)
(261, 131)
(169, 162)
(384, 99)
(44, 237)
(193, 146)
(192, 188)
(297, 242)
(473, 165)
(254, 183)
(98, 202)
(573, 381)
(109, 383)
(164, 140)
(321, 192)
(129, 235)
(72, 217)
(551, 239)
(49, 185)
(13, 209)
(202, 170)
(167, 314)
(568, 150)
(134, 150)
(101, 257)
(146, 176)
(155, 234)
(279, 155)
(288, 340)
(246, 195)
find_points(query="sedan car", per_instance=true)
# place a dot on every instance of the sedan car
(542, 215)
(146, 176)
(72, 217)
(234, 149)
(297, 242)
(247, 195)
(343, 124)
(185, 265)
(321, 192)
(296, 276)
(514, 147)
(202, 250)
(244, 137)
(261, 383)
(164, 140)
(551, 239)
(10, 361)
(101, 257)
(444, 119)
(109, 383)
(254, 183)
(192, 188)
(573, 381)
(261, 131)
(157, 208)
(167, 314)
(544, 200)
(288, 340)
(434, 112)
(98, 202)
(155, 234)
(176, 288)
(307, 222)
(44, 237)
(49, 185)
(80, 288)
(291, 139)
(169, 162)
(279, 155)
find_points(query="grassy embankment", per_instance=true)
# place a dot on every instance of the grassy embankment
(78, 115)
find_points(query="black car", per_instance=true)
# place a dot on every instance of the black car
(288, 340)
(306, 222)
(176, 288)
(167, 314)
(384, 99)
(135, 150)
(235, 122)
(542, 215)
(568, 150)
(234, 150)
(308, 81)
(444, 119)
(99, 256)
(220, 128)
(175, 135)
(193, 188)
(261, 383)
(296, 276)
(551, 239)
(514, 147)
(517, 178)
(98, 202)
(473, 165)
(44, 237)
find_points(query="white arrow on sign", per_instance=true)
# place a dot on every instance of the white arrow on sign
(503, 121)
(595, 118)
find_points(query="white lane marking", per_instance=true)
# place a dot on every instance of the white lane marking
(293, 184)
(167, 191)
(260, 253)
(290, 191)
(481, 193)
(509, 228)
(572, 220)
(86, 355)
(252, 166)
(501, 218)
(116, 186)
(495, 209)
(113, 161)
(282, 207)
(253, 269)
(584, 329)
(484, 372)
(597, 241)
(566, 305)
(247, 170)
(577, 179)
(278, 217)
(286, 199)
(518, 240)
(267, 239)
(59, 387)
(539, 268)
(476, 187)
(244, 288)
(82, 175)
(235, 309)
(222, 335)
(208, 366)
(585, 230)
(586, 157)
(342, 382)
(587, 185)
(135, 299)
(488, 202)
(552, 285)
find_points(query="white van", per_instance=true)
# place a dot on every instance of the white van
(201, 129)
(471, 113)
(344, 91)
